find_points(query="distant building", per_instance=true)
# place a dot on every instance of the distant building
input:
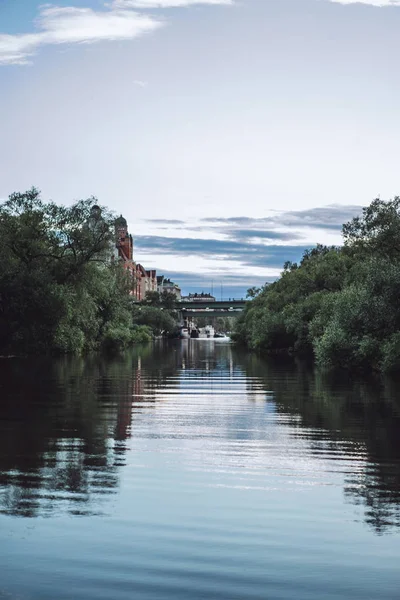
(151, 280)
(124, 240)
(145, 281)
(124, 248)
(199, 298)
(166, 285)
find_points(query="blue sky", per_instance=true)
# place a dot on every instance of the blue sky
(231, 135)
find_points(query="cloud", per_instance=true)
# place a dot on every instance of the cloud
(234, 220)
(379, 3)
(140, 83)
(255, 255)
(167, 3)
(327, 217)
(225, 284)
(165, 221)
(265, 234)
(70, 25)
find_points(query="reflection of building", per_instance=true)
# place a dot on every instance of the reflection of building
(166, 285)
(124, 416)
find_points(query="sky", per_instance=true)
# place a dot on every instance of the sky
(231, 134)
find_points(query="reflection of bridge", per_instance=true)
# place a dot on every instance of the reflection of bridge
(217, 308)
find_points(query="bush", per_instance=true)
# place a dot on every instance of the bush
(158, 320)
(68, 339)
(391, 354)
(116, 338)
(141, 334)
(335, 348)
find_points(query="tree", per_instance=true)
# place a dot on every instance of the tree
(339, 305)
(152, 299)
(62, 239)
(377, 231)
(59, 287)
(168, 300)
(157, 319)
(253, 292)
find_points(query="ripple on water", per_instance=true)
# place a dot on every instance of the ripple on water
(195, 471)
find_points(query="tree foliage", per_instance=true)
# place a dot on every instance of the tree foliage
(158, 320)
(339, 305)
(60, 289)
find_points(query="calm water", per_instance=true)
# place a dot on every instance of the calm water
(194, 471)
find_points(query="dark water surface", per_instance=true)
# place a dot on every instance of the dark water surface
(194, 471)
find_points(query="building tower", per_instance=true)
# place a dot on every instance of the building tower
(123, 239)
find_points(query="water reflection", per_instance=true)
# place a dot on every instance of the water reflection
(68, 425)
(348, 419)
(63, 424)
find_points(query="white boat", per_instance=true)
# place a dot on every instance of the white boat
(207, 332)
(184, 333)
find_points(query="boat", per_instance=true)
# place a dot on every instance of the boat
(184, 333)
(207, 332)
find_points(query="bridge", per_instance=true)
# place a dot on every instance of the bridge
(216, 308)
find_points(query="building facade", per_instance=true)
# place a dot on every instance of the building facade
(166, 285)
(145, 282)
(142, 281)
(124, 249)
(199, 298)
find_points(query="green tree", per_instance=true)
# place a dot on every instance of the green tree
(57, 238)
(59, 287)
(377, 230)
(339, 305)
(158, 320)
(253, 292)
(153, 299)
(168, 300)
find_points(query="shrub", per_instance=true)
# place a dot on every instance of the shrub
(141, 334)
(334, 348)
(391, 354)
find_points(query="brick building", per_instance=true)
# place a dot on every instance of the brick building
(124, 248)
(143, 280)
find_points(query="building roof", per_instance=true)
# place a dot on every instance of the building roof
(140, 269)
(121, 222)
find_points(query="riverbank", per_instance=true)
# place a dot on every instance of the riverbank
(62, 289)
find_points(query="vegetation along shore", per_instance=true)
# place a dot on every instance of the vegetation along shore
(339, 305)
(61, 290)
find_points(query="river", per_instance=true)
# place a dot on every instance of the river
(193, 470)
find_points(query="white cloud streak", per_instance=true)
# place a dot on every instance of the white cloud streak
(70, 25)
(167, 3)
(378, 3)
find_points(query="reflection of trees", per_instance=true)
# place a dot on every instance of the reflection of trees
(64, 425)
(360, 417)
